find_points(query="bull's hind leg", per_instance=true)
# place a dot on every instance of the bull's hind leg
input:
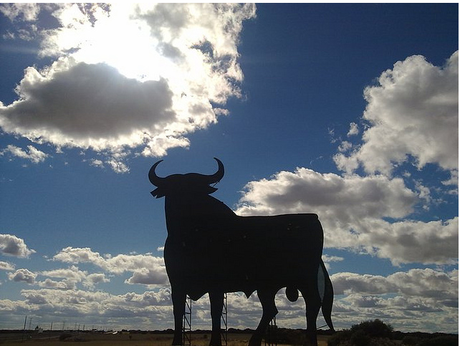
(313, 303)
(217, 304)
(178, 299)
(267, 299)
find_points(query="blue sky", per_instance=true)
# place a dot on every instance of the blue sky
(346, 110)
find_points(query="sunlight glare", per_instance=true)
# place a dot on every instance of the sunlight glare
(127, 46)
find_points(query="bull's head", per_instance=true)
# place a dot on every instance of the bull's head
(190, 183)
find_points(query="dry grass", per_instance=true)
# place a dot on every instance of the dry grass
(93, 339)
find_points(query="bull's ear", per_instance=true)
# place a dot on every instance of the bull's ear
(210, 189)
(158, 193)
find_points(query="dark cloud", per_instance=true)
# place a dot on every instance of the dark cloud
(14, 246)
(84, 102)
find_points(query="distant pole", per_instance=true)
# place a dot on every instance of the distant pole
(24, 329)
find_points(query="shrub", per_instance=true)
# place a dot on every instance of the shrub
(445, 340)
(339, 338)
(374, 329)
(64, 336)
(360, 338)
(368, 333)
(410, 340)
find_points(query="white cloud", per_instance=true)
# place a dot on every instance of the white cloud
(95, 278)
(28, 12)
(58, 285)
(329, 259)
(33, 154)
(97, 163)
(413, 241)
(424, 283)
(413, 111)
(118, 166)
(6, 265)
(427, 283)
(13, 246)
(345, 146)
(407, 300)
(354, 130)
(129, 310)
(145, 276)
(129, 76)
(146, 269)
(70, 278)
(349, 198)
(23, 275)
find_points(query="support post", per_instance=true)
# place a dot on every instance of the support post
(270, 337)
(187, 323)
(224, 330)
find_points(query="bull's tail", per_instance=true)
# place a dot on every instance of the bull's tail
(328, 297)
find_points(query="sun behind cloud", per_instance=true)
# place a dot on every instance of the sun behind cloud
(128, 76)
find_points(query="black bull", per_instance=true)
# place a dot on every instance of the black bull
(212, 250)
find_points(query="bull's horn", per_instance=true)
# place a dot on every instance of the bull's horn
(216, 177)
(153, 177)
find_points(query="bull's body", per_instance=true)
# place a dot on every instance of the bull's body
(212, 250)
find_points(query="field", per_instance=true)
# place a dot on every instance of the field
(120, 339)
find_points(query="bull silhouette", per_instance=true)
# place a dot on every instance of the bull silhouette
(210, 249)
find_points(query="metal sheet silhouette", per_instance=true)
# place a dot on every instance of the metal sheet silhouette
(210, 249)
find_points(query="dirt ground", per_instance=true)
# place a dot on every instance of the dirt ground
(125, 339)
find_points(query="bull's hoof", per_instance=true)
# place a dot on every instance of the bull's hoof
(215, 342)
(177, 342)
(255, 341)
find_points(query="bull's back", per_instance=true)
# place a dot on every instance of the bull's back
(291, 227)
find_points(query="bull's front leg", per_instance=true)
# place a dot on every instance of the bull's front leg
(178, 299)
(217, 303)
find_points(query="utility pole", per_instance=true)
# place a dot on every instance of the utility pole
(24, 329)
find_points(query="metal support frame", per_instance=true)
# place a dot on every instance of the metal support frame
(270, 336)
(187, 323)
(224, 330)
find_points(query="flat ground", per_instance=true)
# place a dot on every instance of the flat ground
(126, 339)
